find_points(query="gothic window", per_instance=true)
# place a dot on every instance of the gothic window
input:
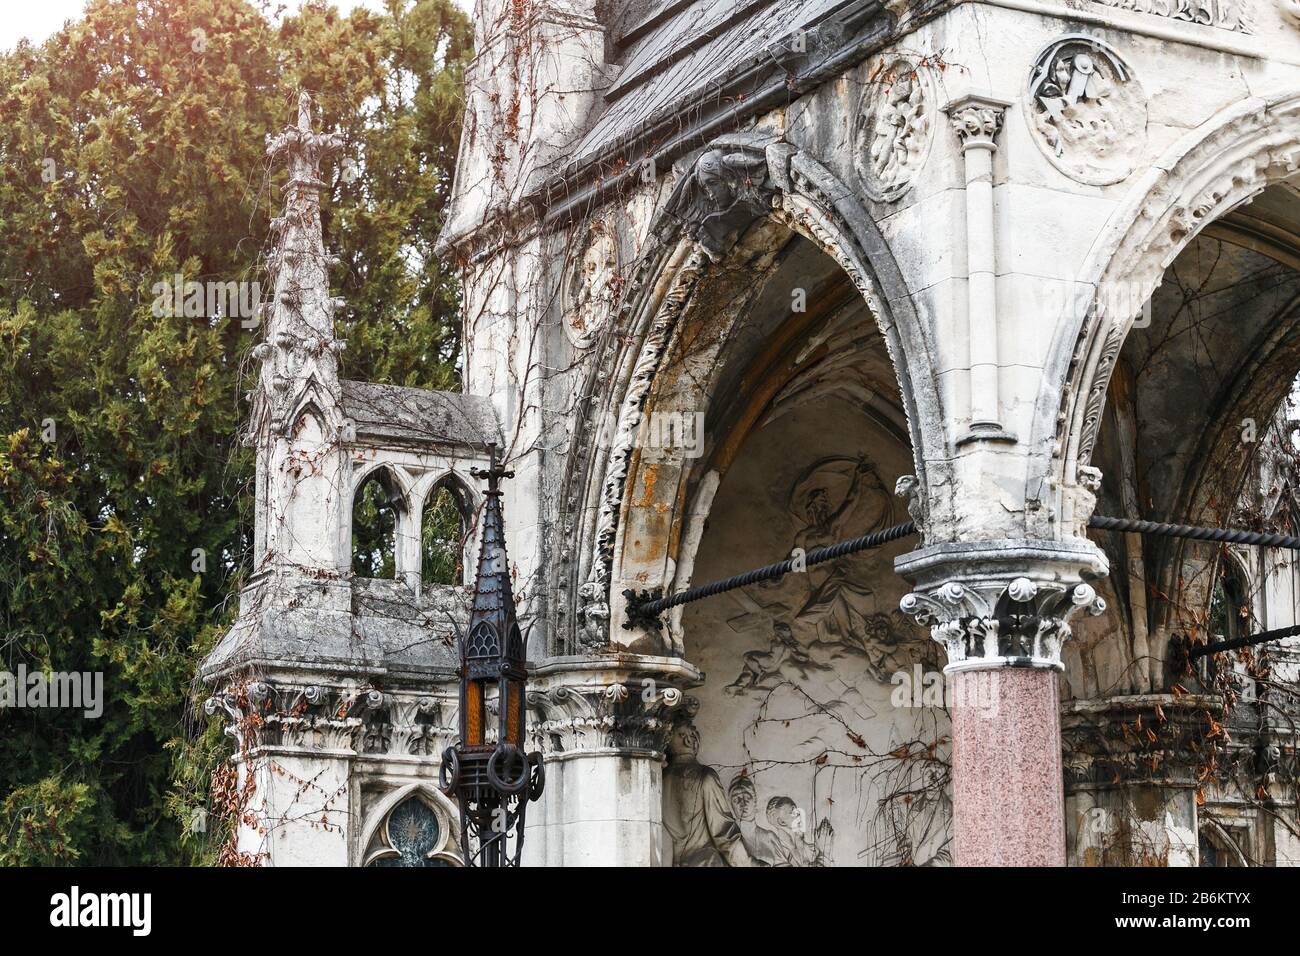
(1231, 616)
(1230, 602)
(413, 834)
(1222, 846)
(442, 534)
(376, 514)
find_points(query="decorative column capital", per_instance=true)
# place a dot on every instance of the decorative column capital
(628, 705)
(994, 605)
(976, 120)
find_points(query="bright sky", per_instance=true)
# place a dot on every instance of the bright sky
(36, 21)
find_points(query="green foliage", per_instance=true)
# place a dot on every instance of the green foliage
(132, 148)
(442, 539)
(374, 529)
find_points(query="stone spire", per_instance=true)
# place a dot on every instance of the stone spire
(300, 353)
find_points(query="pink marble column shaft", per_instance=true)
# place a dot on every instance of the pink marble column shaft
(1008, 802)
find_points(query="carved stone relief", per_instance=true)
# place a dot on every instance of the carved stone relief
(1225, 14)
(1087, 111)
(798, 754)
(895, 124)
(591, 290)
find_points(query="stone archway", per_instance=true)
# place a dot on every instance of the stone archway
(739, 182)
(1225, 162)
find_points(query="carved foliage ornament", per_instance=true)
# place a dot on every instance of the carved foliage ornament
(603, 715)
(1225, 14)
(1087, 112)
(1020, 621)
(895, 125)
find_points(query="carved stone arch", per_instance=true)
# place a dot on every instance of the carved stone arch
(371, 845)
(445, 477)
(1223, 163)
(397, 482)
(399, 475)
(314, 400)
(735, 183)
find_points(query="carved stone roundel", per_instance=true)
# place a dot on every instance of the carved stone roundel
(895, 125)
(591, 287)
(1086, 111)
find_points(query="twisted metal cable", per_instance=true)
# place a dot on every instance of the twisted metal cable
(1250, 640)
(1227, 535)
(644, 608)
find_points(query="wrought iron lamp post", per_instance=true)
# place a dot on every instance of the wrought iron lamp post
(492, 781)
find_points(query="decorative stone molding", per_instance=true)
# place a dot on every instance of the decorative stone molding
(1232, 15)
(311, 717)
(1087, 112)
(408, 725)
(1001, 604)
(617, 703)
(1152, 739)
(894, 129)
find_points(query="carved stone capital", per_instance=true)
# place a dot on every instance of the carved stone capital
(410, 725)
(294, 716)
(619, 703)
(991, 607)
(976, 120)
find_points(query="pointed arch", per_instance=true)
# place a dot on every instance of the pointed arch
(798, 196)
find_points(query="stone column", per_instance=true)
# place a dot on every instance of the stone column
(977, 122)
(1001, 611)
(601, 723)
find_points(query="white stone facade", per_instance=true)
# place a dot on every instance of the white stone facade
(732, 273)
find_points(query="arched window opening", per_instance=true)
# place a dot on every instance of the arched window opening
(376, 512)
(1230, 602)
(442, 534)
(414, 834)
(1231, 616)
(1222, 846)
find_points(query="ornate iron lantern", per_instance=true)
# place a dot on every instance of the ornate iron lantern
(492, 781)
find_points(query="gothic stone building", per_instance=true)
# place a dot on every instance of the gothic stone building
(744, 278)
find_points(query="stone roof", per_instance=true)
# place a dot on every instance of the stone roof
(420, 415)
(691, 68)
(684, 48)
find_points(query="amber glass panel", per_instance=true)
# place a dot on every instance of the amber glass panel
(515, 714)
(474, 715)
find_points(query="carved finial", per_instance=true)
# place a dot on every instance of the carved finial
(304, 112)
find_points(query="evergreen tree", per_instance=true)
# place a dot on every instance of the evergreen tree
(132, 150)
